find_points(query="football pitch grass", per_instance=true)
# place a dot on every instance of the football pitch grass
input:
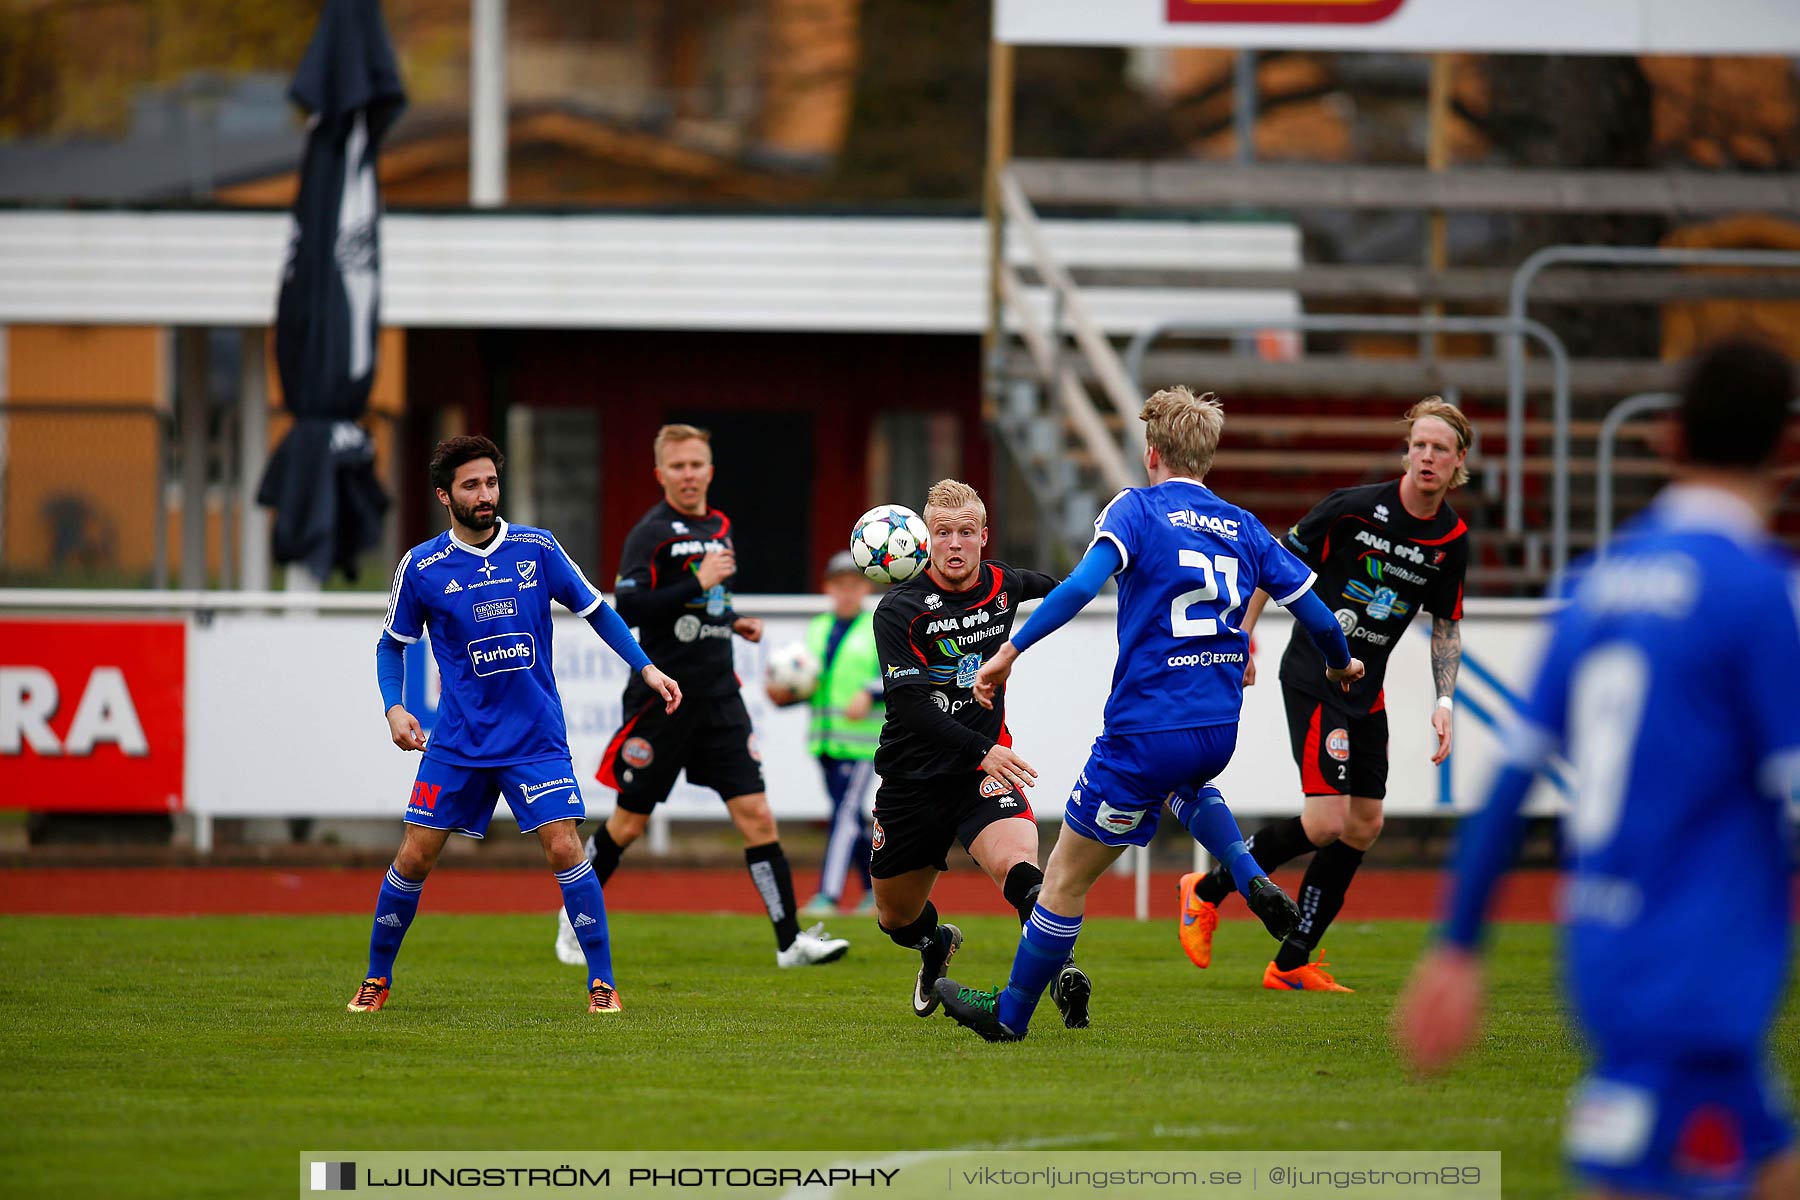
(200, 1056)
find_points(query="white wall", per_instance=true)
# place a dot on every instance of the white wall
(284, 718)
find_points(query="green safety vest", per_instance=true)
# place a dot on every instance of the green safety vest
(856, 666)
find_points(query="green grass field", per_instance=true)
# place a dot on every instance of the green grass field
(199, 1057)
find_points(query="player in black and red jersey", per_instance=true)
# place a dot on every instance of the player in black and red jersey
(948, 772)
(674, 588)
(1382, 552)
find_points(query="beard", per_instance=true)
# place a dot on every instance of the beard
(470, 518)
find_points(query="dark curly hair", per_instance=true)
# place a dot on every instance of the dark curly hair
(452, 453)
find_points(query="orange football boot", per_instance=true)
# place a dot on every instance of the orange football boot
(1199, 918)
(1308, 977)
(370, 996)
(604, 998)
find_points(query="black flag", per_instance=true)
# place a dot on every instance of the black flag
(321, 479)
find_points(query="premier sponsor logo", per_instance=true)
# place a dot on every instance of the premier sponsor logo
(491, 610)
(503, 652)
(1371, 637)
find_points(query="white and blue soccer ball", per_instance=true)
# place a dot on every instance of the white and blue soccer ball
(889, 543)
(796, 669)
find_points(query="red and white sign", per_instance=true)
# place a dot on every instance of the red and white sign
(1331, 12)
(92, 715)
(1475, 26)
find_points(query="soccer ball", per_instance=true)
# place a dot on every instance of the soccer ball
(794, 668)
(888, 543)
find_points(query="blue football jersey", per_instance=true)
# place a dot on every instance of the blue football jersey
(488, 611)
(1670, 678)
(1191, 562)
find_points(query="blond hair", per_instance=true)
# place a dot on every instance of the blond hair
(670, 434)
(952, 494)
(1184, 429)
(1449, 414)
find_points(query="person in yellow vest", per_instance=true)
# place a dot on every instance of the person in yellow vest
(846, 727)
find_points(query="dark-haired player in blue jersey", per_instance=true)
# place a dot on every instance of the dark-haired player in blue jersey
(1669, 680)
(483, 588)
(1186, 561)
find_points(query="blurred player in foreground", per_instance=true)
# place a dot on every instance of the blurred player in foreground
(483, 589)
(948, 771)
(1383, 552)
(1669, 681)
(845, 728)
(674, 587)
(1185, 560)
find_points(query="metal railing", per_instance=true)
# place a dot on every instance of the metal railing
(1519, 294)
(1607, 443)
(1520, 328)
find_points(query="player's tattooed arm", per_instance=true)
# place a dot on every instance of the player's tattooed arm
(1446, 654)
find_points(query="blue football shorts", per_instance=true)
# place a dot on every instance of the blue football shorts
(461, 799)
(1667, 1128)
(1118, 799)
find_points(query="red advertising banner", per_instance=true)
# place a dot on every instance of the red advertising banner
(1287, 12)
(92, 715)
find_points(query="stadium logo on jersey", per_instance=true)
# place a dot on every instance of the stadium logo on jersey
(452, 588)
(1381, 512)
(1346, 619)
(687, 628)
(637, 752)
(1115, 820)
(878, 835)
(1187, 518)
(966, 667)
(503, 652)
(991, 787)
(488, 610)
(1337, 744)
(440, 556)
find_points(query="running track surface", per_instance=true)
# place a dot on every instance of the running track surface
(276, 891)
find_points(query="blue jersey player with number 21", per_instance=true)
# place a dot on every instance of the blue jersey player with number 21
(1669, 681)
(1186, 561)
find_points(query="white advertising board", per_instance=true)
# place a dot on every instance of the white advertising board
(284, 718)
(1478, 26)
